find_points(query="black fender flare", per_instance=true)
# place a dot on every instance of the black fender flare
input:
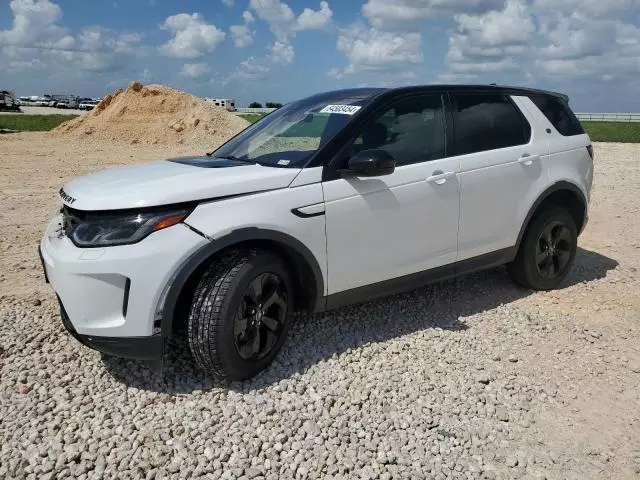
(561, 185)
(188, 267)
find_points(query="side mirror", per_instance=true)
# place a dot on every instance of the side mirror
(370, 163)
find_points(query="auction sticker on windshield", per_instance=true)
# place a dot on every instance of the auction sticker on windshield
(343, 109)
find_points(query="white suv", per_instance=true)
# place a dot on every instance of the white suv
(334, 199)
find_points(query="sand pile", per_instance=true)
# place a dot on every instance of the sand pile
(155, 114)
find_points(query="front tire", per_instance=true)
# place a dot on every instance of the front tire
(547, 250)
(239, 316)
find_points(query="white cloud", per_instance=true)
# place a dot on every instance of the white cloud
(561, 39)
(511, 26)
(277, 14)
(284, 23)
(628, 39)
(248, 17)
(600, 9)
(457, 77)
(314, 20)
(192, 36)
(386, 14)
(488, 42)
(589, 39)
(576, 36)
(35, 25)
(281, 53)
(194, 70)
(242, 35)
(228, 3)
(251, 69)
(371, 49)
(335, 73)
(272, 11)
(49, 47)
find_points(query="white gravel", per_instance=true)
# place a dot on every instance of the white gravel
(472, 378)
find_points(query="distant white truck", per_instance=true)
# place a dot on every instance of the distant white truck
(8, 102)
(67, 103)
(87, 105)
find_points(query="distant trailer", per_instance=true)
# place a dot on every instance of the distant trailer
(226, 103)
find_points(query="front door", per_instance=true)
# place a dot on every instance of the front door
(382, 228)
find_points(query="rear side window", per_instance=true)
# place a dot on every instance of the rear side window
(559, 114)
(487, 122)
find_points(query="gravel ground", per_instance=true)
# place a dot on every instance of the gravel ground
(472, 378)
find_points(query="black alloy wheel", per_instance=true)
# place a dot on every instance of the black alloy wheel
(260, 318)
(553, 249)
(547, 250)
(240, 313)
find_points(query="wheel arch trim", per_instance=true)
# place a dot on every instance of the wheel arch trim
(556, 187)
(168, 303)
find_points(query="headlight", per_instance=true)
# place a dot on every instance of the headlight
(106, 229)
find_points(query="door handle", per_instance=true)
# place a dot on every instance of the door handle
(439, 177)
(527, 160)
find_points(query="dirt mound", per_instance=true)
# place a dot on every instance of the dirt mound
(155, 114)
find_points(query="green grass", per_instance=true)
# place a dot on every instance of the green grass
(613, 131)
(251, 117)
(32, 123)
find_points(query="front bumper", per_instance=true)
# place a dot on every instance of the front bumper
(138, 348)
(111, 296)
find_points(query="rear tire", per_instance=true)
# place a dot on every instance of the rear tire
(547, 250)
(239, 316)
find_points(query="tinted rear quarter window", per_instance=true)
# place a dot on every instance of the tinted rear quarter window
(487, 122)
(559, 114)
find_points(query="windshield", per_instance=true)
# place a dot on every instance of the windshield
(290, 136)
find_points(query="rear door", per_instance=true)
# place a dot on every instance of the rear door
(501, 161)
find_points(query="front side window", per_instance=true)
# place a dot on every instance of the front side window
(412, 130)
(487, 122)
(291, 135)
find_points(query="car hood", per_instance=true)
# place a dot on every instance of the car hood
(171, 181)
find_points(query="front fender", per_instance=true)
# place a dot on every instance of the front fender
(169, 304)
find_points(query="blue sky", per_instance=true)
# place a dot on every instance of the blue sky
(275, 50)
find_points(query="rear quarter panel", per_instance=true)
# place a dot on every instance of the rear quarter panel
(568, 159)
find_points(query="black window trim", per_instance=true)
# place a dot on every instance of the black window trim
(331, 151)
(503, 94)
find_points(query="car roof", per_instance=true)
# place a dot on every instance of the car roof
(504, 89)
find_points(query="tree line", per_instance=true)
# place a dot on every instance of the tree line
(266, 105)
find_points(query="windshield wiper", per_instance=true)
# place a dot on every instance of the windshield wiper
(235, 159)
